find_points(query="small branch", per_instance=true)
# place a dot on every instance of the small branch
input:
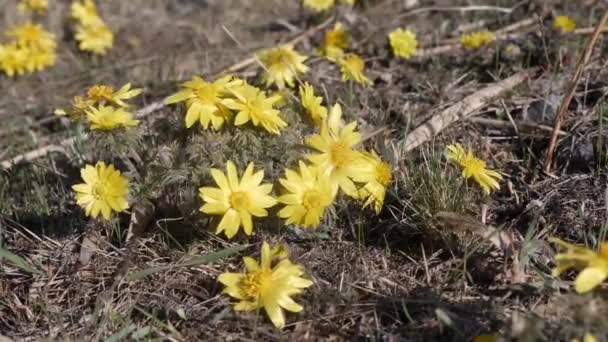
(583, 60)
(521, 125)
(462, 109)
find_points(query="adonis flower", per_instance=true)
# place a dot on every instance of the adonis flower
(563, 23)
(594, 265)
(32, 36)
(319, 5)
(376, 175)
(78, 109)
(95, 37)
(85, 12)
(107, 118)
(476, 40)
(268, 285)
(352, 67)
(309, 194)
(337, 157)
(282, 64)
(104, 190)
(474, 167)
(336, 40)
(13, 59)
(237, 200)
(39, 6)
(403, 42)
(204, 101)
(253, 105)
(312, 104)
(105, 94)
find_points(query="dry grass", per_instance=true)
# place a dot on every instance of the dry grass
(405, 274)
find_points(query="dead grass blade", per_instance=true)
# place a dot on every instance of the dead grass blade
(194, 261)
(463, 109)
(18, 261)
(499, 238)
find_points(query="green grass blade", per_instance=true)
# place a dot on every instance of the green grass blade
(194, 261)
(17, 261)
(122, 334)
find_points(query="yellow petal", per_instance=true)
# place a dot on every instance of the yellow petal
(589, 278)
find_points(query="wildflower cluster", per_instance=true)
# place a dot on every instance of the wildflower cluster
(30, 48)
(91, 32)
(38, 6)
(334, 46)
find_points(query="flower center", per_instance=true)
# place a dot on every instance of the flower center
(99, 190)
(100, 92)
(383, 173)
(207, 93)
(340, 154)
(311, 199)
(239, 200)
(253, 283)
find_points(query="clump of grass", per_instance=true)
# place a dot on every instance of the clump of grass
(434, 186)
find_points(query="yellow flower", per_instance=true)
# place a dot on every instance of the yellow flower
(253, 105)
(13, 59)
(267, 285)
(587, 338)
(564, 24)
(95, 37)
(594, 265)
(319, 5)
(377, 175)
(237, 200)
(473, 167)
(78, 109)
(31, 35)
(337, 157)
(104, 190)
(352, 67)
(403, 42)
(204, 101)
(476, 39)
(312, 104)
(106, 118)
(282, 64)
(85, 12)
(39, 6)
(336, 40)
(309, 194)
(38, 59)
(102, 93)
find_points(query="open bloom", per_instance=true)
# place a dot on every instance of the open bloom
(312, 104)
(39, 6)
(353, 68)
(376, 175)
(309, 194)
(336, 40)
(319, 5)
(204, 101)
(253, 105)
(237, 200)
(107, 118)
(563, 23)
(78, 109)
(594, 265)
(95, 37)
(282, 64)
(101, 93)
(336, 155)
(403, 42)
(476, 40)
(269, 284)
(104, 190)
(32, 36)
(474, 167)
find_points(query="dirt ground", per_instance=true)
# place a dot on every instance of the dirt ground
(418, 271)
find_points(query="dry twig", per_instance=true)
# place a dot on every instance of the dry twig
(464, 108)
(580, 66)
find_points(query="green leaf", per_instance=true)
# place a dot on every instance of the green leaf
(18, 261)
(194, 261)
